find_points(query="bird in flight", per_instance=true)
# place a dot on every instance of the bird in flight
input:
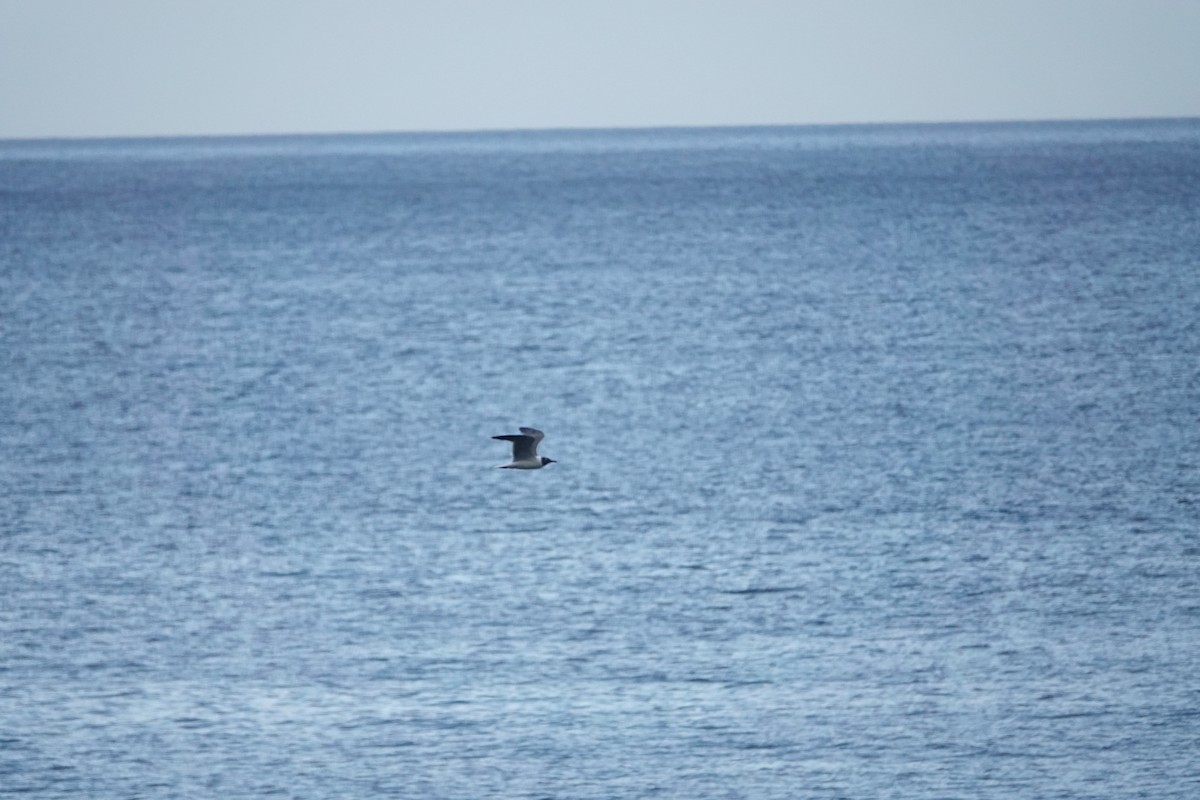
(525, 449)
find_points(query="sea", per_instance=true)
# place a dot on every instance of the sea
(877, 464)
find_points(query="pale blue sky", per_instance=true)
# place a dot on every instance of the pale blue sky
(165, 67)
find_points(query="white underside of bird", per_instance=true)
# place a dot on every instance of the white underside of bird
(524, 447)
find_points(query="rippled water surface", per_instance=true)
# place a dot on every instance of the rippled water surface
(879, 464)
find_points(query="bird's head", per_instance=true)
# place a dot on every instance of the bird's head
(546, 461)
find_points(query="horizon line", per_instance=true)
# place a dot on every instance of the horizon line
(51, 138)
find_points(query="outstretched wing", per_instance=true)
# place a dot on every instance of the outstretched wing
(534, 433)
(524, 447)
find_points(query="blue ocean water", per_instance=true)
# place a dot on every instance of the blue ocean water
(879, 464)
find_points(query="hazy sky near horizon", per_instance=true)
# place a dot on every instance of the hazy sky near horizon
(77, 68)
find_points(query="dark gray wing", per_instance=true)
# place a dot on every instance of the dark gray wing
(524, 447)
(535, 433)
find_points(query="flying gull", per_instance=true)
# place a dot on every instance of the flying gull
(525, 449)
